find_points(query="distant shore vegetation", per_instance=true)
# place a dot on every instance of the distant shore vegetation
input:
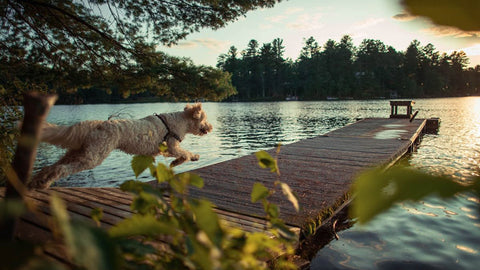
(339, 70)
(335, 70)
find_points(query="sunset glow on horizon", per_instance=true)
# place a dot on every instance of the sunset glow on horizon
(296, 20)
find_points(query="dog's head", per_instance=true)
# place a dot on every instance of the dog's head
(198, 119)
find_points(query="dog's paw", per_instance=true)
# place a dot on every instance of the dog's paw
(177, 162)
(195, 157)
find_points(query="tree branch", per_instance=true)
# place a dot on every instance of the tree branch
(36, 108)
(79, 20)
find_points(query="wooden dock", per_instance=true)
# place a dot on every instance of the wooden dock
(319, 170)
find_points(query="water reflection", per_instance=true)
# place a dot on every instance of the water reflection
(251, 130)
(435, 234)
(266, 124)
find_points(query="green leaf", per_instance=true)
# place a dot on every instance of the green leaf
(266, 161)
(95, 249)
(97, 214)
(164, 173)
(375, 192)
(272, 210)
(62, 220)
(200, 254)
(290, 195)
(135, 247)
(462, 14)
(140, 163)
(191, 179)
(153, 170)
(261, 244)
(89, 247)
(11, 208)
(259, 192)
(146, 225)
(137, 187)
(163, 147)
(207, 220)
(144, 203)
(132, 186)
(178, 185)
(196, 180)
(284, 231)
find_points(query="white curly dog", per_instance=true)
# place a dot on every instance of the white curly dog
(88, 143)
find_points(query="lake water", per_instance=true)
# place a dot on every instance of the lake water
(432, 234)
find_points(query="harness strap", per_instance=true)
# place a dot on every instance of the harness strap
(169, 132)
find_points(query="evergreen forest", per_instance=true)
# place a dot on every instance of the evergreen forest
(338, 69)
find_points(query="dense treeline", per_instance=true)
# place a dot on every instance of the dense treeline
(159, 78)
(339, 69)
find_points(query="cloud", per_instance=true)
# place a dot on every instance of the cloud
(285, 15)
(295, 18)
(266, 26)
(276, 19)
(210, 43)
(404, 17)
(306, 22)
(293, 10)
(368, 23)
(472, 50)
(446, 31)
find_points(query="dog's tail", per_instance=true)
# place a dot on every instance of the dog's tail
(69, 137)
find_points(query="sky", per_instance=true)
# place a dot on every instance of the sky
(294, 21)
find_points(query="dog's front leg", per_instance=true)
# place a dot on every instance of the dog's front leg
(177, 162)
(182, 155)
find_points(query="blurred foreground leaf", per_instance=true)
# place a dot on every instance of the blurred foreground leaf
(376, 191)
(290, 196)
(141, 163)
(259, 192)
(137, 187)
(463, 14)
(190, 179)
(266, 161)
(207, 220)
(147, 225)
(89, 247)
(162, 173)
(97, 214)
(12, 208)
(96, 250)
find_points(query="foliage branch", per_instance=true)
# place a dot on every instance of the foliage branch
(168, 229)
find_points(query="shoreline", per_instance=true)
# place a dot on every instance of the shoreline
(162, 100)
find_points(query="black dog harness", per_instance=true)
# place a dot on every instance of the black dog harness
(169, 132)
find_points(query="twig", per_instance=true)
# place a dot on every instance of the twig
(36, 108)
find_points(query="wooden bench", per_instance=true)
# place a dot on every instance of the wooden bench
(394, 109)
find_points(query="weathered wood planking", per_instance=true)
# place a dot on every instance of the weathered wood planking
(320, 170)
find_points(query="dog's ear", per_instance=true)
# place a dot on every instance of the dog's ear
(194, 110)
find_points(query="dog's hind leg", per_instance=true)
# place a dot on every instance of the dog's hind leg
(72, 162)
